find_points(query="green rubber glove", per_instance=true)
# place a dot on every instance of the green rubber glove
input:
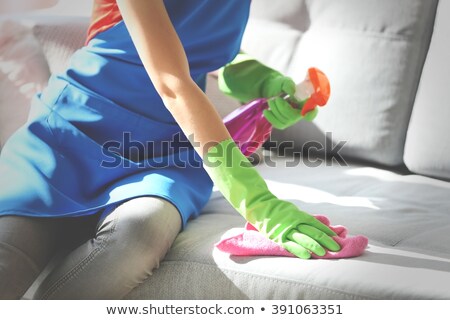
(282, 115)
(279, 220)
(247, 79)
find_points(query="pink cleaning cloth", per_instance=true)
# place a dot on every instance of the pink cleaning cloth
(253, 243)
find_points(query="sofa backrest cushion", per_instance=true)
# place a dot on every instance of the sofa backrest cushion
(31, 47)
(427, 148)
(373, 53)
(23, 72)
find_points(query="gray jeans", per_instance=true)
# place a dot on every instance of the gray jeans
(106, 256)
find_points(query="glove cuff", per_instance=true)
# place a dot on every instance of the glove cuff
(236, 178)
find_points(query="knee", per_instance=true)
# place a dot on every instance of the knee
(140, 218)
(144, 229)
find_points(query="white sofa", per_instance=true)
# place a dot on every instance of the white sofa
(388, 65)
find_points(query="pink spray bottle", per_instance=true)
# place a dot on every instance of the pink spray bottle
(250, 129)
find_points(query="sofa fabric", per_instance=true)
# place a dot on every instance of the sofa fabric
(427, 149)
(407, 257)
(371, 50)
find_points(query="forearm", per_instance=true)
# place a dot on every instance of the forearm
(196, 116)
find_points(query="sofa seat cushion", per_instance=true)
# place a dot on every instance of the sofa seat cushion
(406, 217)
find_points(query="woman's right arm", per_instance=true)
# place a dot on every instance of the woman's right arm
(165, 61)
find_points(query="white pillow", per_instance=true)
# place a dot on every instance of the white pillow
(23, 72)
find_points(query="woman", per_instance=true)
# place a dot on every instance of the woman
(105, 146)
